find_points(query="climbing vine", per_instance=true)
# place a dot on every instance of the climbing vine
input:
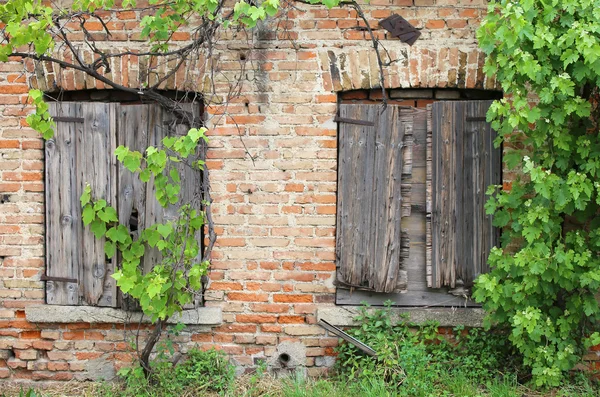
(546, 274)
(42, 34)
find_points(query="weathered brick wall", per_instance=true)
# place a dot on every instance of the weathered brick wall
(273, 174)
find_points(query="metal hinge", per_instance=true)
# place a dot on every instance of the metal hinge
(61, 279)
(352, 121)
(69, 119)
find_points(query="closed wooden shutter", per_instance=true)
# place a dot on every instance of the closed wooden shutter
(81, 152)
(464, 163)
(140, 126)
(373, 160)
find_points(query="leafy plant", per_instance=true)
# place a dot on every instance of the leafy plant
(206, 370)
(200, 372)
(413, 359)
(546, 56)
(172, 282)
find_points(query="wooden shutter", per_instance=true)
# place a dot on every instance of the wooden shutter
(80, 152)
(373, 160)
(463, 164)
(140, 126)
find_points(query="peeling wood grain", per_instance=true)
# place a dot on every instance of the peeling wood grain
(63, 214)
(370, 169)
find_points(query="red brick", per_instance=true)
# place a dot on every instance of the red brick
(94, 335)
(291, 320)
(88, 355)
(22, 176)
(435, 24)
(43, 345)
(247, 297)
(270, 328)
(255, 318)
(74, 335)
(13, 89)
(225, 286)
(290, 298)
(9, 144)
(31, 334)
(202, 338)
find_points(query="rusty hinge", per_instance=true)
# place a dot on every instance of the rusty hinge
(61, 279)
(69, 119)
(352, 121)
(476, 119)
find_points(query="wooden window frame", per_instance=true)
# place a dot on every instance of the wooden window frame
(81, 152)
(432, 297)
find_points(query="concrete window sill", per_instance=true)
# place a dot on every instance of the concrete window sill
(99, 315)
(343, 316)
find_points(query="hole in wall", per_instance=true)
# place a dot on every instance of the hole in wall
(284, 359)
(5, 198)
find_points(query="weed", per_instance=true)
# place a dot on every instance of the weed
(415, 360)
(201, 371)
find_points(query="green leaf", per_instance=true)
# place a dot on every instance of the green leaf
(164, 230)
(88, 215)
(109, 214)
(98, 228)
(109, 248)
(86, 195)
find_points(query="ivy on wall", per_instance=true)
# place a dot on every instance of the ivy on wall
(546, 55)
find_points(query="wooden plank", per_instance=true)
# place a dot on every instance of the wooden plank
(63, 212)
(192, 181)
(431, 298)
(140, 126)
(95, 167)
(352, 169)
(393, 158)
(464, 163)
(370, 168)
(429, 200)
(445, 122)
(138, 207)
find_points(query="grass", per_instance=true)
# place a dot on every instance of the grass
(456, 385)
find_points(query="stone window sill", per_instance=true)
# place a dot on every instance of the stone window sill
(343, 316)
(100, 315)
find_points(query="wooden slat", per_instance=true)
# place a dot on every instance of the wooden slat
(135, 129)
(63, 212)
(140, 126)
(95, 166)
(429, 200)
(387, 206)
(429, 298)
(464, 163)
(352, 151)
(370, 168)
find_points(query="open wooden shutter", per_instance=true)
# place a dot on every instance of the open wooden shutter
(463, 164)
(80, 152)
(375, 156)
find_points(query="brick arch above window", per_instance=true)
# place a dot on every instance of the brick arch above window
(353, 68)
(126, 71)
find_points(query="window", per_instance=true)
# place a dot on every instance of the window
(82, 152)
(411, 224)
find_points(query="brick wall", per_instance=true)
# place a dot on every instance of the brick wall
(273, 174)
